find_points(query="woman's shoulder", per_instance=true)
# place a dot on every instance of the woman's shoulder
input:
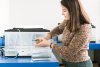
(83, 26)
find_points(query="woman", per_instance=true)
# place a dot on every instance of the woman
(76, 29)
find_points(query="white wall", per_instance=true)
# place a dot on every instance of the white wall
(4, 16)
(93, 9)
(34, 12)
(16, 13)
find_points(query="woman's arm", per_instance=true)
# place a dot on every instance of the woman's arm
(43, 41)
(80, 40)
(57, 30)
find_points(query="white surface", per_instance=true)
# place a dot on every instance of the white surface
(16, 13)
(34, 12)
(4, 16)
(93, 9)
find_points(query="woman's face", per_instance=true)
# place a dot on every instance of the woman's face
(65, 13)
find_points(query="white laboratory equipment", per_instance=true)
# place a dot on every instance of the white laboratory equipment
(21, 41)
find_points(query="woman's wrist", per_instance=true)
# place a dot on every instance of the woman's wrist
(52, 45)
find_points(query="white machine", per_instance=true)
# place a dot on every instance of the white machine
(21, 41)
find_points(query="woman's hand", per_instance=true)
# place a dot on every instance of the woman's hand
(42, 42)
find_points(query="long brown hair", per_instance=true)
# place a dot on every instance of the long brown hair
(77, 17)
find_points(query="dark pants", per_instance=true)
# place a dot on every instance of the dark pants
(79, 64)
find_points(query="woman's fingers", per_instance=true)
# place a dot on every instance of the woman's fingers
(40, 39)
(43, 43)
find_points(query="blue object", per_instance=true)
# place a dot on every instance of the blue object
(2, 41)
(27, 62)
(55, 40)
(45, 64)
(94, 46)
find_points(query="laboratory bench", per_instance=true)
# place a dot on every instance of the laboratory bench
(28, 62)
